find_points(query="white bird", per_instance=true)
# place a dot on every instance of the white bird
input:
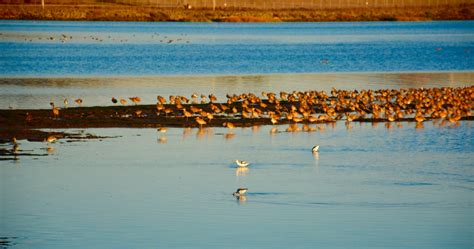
(315, 149)
(242, 163)
(240, 192)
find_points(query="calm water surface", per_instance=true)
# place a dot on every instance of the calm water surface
(39, 92)
(150, 49)
(369, 187)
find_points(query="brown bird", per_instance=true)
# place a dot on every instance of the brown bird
(135, 100)
(187, 114)
(78, 101)
(114, 100)
(229, 125)
(200, 121)
(55, 112)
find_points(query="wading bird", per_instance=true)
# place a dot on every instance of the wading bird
(242, 163)
(315, 149)
(240, 192)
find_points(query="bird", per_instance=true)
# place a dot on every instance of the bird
(78, 101)
(242, 163)
(135, 100)
(114, 100)
(162, 129)
(51, 139)
(315, 149)
(200, 121)
(240, 192)
(229, 125)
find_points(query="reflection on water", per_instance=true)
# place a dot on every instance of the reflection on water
(241, 171)
(368, 182)
(39, 92)
(162, 140)
(241, 199)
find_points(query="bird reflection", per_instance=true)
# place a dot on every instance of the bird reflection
(50, 149)
(186, 132)
(200, 133)
(348, 125)
(162, 140)
(241, 199)
(443, 123)
(274, 130)
(455, 125)
(15, 149)
(316, 158)
(419, 125)
(229, 135)
(241, 171)
(255, 128)
(321, 128)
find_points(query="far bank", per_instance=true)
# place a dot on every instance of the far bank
(115, 12)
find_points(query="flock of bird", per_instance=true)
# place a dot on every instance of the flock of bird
(154, 37)
(387, 105)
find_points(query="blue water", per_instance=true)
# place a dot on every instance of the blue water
(154, 49)
(368, 187)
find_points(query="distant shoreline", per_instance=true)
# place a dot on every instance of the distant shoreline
(114, 12)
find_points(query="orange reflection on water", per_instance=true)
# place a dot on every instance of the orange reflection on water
(50, 149)
(186, 132)
(162, 140)
(241, 171)
(419, 125)
(241, 199)
(229, 135)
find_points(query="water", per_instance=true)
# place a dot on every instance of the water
(143, 49)
(367, 187)
(36, 93)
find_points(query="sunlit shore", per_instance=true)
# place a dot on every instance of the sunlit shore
(303, 111)
(113, 12)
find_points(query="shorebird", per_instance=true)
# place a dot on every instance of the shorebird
(162, 129)
(200, 121)
(315, 149)
(240, 192)
(229, 125)
(135, 100)
(51, 139)
(114, 100)
(55, 112)
(242, 163)
(123, 101)
(78, 101)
